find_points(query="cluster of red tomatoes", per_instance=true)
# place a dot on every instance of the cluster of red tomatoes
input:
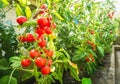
(91, 44)
(41, 56)
(110, 15)
(90, 58)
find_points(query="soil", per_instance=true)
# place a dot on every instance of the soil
(103, 75)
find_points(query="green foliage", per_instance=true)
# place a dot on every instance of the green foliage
(86, 81)
(5, 80)
(16, 61)
(8, 40)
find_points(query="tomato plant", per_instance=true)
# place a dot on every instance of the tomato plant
(62, 35)
(38, 54)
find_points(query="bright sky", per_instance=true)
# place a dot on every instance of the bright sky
(117, 4)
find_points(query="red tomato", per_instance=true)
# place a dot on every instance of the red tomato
(49, 62)
(21, 19)
(48, 30)
(50, 53)
(42, 43)
(30, 38)
(22, 38)
(34, 53)
(49, 24)
(40, 62)
(42, 22)
(39, 31)
(45, 70)
(43, 6)
(25, 62)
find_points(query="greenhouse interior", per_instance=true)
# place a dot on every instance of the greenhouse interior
(59, 41)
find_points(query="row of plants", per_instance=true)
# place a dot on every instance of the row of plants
(58, 36)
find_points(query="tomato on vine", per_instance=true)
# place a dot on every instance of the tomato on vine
(34, 53)
(30, 38)
(50, 53)
(45, 70)
(42, 22)
(42, 43)
(21, 19)
(40, 62)
(26, 62)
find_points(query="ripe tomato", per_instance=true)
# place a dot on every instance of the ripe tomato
(43, 6)
(49, 62)
(40, 62)
(21, 19)
(45, 70)
(22, 38)
(49, 24)
(48, 30)
(25, 62)
(34, 53)
(39, 31)
(42, 22)
(42, 43)
(30, 38)
(50, 53)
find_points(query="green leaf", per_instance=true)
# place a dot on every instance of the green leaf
(29, 23)
(16, 62)
(28, 12)
(5, 79)
(57, 77)
(58, 15)
(74, 73)
(15, 59)
(5, 2)
(86, 81)
(27, 76)
(19, 10)
(79, 57)
(101, 50)
(64, 51)
(23, 2)
(3, 62)
(3, 68)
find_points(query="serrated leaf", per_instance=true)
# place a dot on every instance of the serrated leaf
(5, 80)
(28, 12)
(86, 81)
(16, 64)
